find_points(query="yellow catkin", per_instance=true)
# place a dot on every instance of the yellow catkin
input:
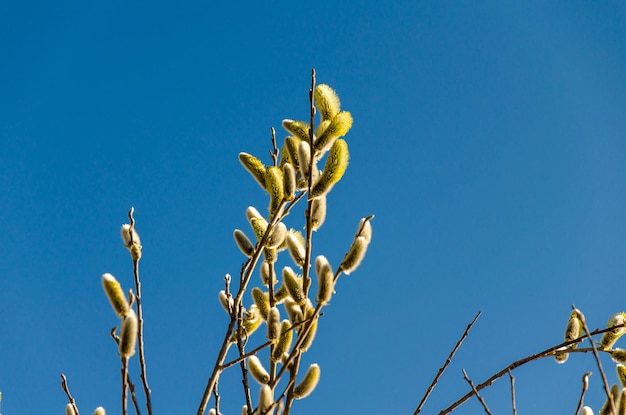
(257, 370)
(299, 129)
(294, 285)
(284, 341)
(615, 393)
(291, 149)
(338, 127)
(621, 374)
(273, 325)
(354, 256)
(327, 101)
(262, 301)
(254, 166)
(294, 311)
(128, 334)
(335, 167)
(259, 226)
(289, 181)
(251, 322)
(115, 294)
(325, 281)
(275, 187)
(308, 383)
(243, 243)
(609, 338)
(310, 336)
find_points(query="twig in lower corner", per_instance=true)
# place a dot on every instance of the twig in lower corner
(66, 389)
(513, 393)
(582, 393)
(480, 398)
(445, 365)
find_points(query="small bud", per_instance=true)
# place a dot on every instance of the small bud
(354, 256)
(299, 129)
(327, 101)
(129, 236)
(289, 181)
(275, 187)
(295, 246)
(365, 228)
(273, 325)
(128, 334)
(266, 399)
(262, 301)
(284, 341)
(69, 409)
(338, 127)
(609, 338)
(335, 167)
(308, 384)
(318, 212)
(257, 370)
(254, 166)
(294, 285)
(244, 244)
(114, 293)
(325, 280)
(99, 411)
(212, 411)
(226, 301)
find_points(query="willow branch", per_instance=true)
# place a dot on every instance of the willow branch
(480, 398)
(66, 389)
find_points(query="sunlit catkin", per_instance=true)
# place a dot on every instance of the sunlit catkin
(354, 256)
(275, 187)
(335, 167)
(618, 355)
(615, 393)
(114, 293)
(365, 228)
(295, 246)
(266, 399)
(291, 148)
(99, 411)
(273, 325)
(299, 129)
(251, 322)
(243, 243)
(128, 334)
(277, 236)
(338, 127)
(310, 335)
(226, 301)
(262, 301)
(318, 212)
(69, 409)
(266, 269)
(304, 157)
(289, 181)
(254, 166)
(586, 411)
(294, 311)
(308, 383)
(294, 285)
(325, 280)
(609, 338)
(257, 370)
(574, 328)
(327, 101)
(560, 355)
(131, 241)
(284, 341)
(621, 374)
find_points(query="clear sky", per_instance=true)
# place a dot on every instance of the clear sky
(489, 140)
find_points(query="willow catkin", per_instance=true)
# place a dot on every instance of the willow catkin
(299, 129)
(262, 301)
(327, 101)
(318, 212)
(69, 409)
(335, 167)
(284, 341)
(243, 243)
(273, 324)
(338, 126)
(289, 181)
(128, 334)
(266, 399)
(354, 256)
(114, 293)
(295, 246)
(610, 337)
(294, 285)
(275, 187)
(308, 383)
(259, 373)
(99, 411)
(254, 166)
(325, 281)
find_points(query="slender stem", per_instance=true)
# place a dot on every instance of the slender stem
(581, 400)
(480, 398)
(124, 386)
(513, 406)
(445, 365)
(66, 389)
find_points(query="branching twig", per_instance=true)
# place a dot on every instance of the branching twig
(512, 393)
(480, 398)
(582, 393)
(66, 389)
(445, 365)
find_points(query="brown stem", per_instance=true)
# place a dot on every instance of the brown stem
(480, 398)
(66, 389)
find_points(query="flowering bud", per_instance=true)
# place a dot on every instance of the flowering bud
(254, 166)
(266, 399)
(275, 187)
(327, 101)
(308, 384)
(273, 325)
(284, 341)
(257, 370)
(99, 411)
(325, 280)
(251, 321)
(281, 294)
(338, 127)
(291, 148)
(252, 212)
(574, 328)
(244, 244)
(270, 255)
(129, 236)
(365, 228)
(114, 293)
(128, 334)
(69, 409)
(304, 156)
(354, 256)
(318, 212)
(295, 246)
(294, 311)
(262, 301)
(609, 338)
(289, 181)
(294, 285)
(278, 235)
(335, 167)
(259, 226)
(226, 301)
(299, 129)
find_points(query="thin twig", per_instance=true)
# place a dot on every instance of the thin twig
(480, 398)
(605, 382)
(124, 371)
(217, 398)
(582, 393)
(445, 365)
(274, 151)
(142, 357)
(512, 393)
(548, 352)
(66, 389)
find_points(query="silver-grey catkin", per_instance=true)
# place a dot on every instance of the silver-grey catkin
(304, 158)
(318, 212)
(308, 383)
(257, 370)
(129, 236)
(273, 324)
(294, 311)
(128, 334)
(244, 244)
(354, 256)
(289, 181)
(325, 282)
(278, 235)
(295, 246)
(226, 301)
(266, 399)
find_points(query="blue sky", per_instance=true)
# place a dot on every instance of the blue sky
(488, 140)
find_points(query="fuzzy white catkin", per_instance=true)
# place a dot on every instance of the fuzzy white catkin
(266, 398)
(128, 234)
(99, 411)
(128, 334)
(69, 409)
(115, 294)
(587, 411)
(308, 384)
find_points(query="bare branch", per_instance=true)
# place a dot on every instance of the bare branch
(480, 398)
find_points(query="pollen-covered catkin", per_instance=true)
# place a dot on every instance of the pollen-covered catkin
(294, 285)
(308, 383)
(275, 186)
(128, 334)
(609, 338)
(310, 335)
(338, 127)
(266, 269)
(243, 243)
(354, 256)
(327, 101)
(114, 293)
(335, 167)
(299, 129)
(284, 341)
(262, 301)
(257, 370)
(618, 355)
(621, 374)
(254, 166)
(291, 148)
(278, 235)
